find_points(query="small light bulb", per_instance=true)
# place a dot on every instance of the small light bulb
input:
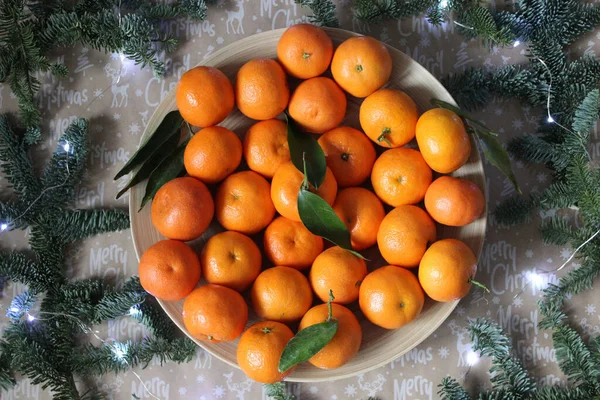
(30, 318)
(535, 278)
(444, 3)
(3, 227)
(14, 309)
(122, 57)
(119, 353)
(550, 119)
(134, 311)
(472, 358)
(67, 147)
(516, 43)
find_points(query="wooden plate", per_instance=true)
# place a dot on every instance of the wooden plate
(379, 346)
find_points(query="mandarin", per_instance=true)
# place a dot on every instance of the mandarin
(182, 209)
(261, 89)
(391, 297)
(259, 351)
(215, 313)
(447, 270)
(361, 65)
(318, 105)
(204, 96)
(169, 270)
(401, 176)
(345, 343)
(443, 140)
(362, 212)
(338, 270)
(290, 244)
(304, 51)
(281, 294)
(243, 203)
(404, 234)
(266, 146)
(389, 117)
(212, 154)
(286, 185)
(349, 154)
(231, 259)
(453, 201)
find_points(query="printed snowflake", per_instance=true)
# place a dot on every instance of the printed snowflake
(134, 128)
(313, 389)
(182, 391)
(529, 253)
(496, 300)
(518, 302)
(541, 177)
(258, 30)
(462, 377)
(488, 313)
(200, 378)
(443, 352)
(98, 93)
(219, 391)
(517, 124)
(565, 253)
(99, 128)
(254, 17)
(115, 56)
(139, 93)
(333, 397)
(220, 40)
(350, 391)
(202, 397)
(116, 116)
(402, 42)
(590, 309)
(425, 42)
(520, 164)
(12, 95)
(498, 111)
(460, 310)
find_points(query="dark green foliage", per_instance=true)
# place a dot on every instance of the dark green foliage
(30, 29)
(450, 389)
(324, 12)
(376, 11)
(46, 348)
(277, 391)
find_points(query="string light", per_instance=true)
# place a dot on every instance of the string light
(67, 147)
(122, 57)
(444, 3)
(472, 358)
(550, 119)
(3, 226)
(119, 351)
(516, 43)
(133, 311)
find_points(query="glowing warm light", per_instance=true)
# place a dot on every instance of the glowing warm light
(472, 358)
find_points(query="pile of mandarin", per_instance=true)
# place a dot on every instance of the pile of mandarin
(246, 198)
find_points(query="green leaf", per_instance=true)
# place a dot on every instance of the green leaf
(492, 149)
(307, 342)
(497, 156)
(150, 165)
(321, 220)
(168, 127)
(170, 168)
(304, 146)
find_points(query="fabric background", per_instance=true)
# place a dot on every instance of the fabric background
(118, 115)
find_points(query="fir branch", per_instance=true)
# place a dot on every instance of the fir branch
(7, 380)
(514, 210)
(556, 230)
(587, 113)
(153, 317)
(324, 12)
(78, 224)
(450, 389)
(17, 267)
(376, 11)
(278, 391)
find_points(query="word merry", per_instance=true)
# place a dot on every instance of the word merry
(412, 387)
(157, 386)
(105, 255)
(266, 6)
(22, 390)
(421, 25)
(125, 328)
(516, 324)
(59, 125)
(435, 64)
(91, 197)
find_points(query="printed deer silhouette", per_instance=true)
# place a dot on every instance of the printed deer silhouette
(144, 115)
(371, 387)
(463, 345)
(119, 90)
(238, 388)
(237, 16)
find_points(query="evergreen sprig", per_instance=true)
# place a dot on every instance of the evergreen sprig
(45, 348)
(31, 29)
(323, 12)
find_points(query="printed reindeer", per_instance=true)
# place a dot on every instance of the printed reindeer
(371, 387)
(238, 388)
(463, 345)
(115, 75)
(237, 16)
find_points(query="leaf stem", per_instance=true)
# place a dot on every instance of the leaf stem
(479, 284)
